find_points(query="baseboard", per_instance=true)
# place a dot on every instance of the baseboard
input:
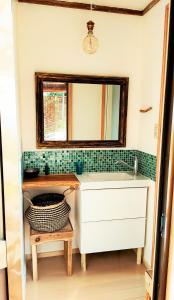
(51, 254)
(75, 251)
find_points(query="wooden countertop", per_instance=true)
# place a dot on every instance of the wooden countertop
(52, 180)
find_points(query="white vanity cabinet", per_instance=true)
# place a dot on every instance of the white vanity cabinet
(111, 219)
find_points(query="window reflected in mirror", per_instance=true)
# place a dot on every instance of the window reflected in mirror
(55, 111)
(93, 111)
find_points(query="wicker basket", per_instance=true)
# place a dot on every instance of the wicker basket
(48, 212)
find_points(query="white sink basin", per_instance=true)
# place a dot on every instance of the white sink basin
(106, 176)
(109, 180)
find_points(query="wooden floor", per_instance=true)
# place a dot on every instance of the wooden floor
(110, 276)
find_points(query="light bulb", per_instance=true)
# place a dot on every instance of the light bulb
(90, 42)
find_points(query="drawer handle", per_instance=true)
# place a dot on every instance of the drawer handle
(37, 239)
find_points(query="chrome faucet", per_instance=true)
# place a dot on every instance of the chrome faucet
(135, 165)
(134, 168)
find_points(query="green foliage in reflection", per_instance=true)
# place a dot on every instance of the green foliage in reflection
(55, 94)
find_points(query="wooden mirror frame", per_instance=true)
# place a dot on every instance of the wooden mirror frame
(122, 81)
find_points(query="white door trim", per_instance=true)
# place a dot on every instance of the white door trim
(3, 254)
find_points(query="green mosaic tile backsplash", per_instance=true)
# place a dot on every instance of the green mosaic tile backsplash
(63, 161)
(147, 164)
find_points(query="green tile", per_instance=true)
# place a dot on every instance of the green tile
(63, 161)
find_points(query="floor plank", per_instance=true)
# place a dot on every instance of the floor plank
(109, 276)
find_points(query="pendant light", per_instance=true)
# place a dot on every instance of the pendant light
(90, 42)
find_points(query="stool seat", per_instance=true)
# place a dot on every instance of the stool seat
(39, 237)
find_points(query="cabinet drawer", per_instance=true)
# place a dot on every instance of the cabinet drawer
(96, 205)
(112, 235)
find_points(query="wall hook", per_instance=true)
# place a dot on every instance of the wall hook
(145, 110)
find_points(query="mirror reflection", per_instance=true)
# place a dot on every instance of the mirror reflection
(80, 111)
(55, 111)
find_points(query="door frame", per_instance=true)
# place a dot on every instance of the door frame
(165, 195)
(166, 176)
(5, 274)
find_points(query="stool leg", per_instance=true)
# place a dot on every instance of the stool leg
(83, 262)
(139, 256)
(65, 249)
(34, 262)
(69, 258)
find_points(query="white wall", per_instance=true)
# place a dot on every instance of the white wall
(108, 112)
(152, 49)
(86, 111)
(11, 155)
(50, 39)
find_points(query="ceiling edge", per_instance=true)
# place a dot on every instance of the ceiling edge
(101, 8)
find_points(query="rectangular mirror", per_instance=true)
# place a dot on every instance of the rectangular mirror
(81, 111)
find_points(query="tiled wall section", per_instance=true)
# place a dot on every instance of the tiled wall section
(63, 161)
(147, 164)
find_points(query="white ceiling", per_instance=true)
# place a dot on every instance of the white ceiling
(132, 4)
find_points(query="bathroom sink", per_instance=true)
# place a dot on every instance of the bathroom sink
(109, 180)
(106, 176)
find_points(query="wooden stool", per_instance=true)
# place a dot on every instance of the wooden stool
(37, 238)
(148, 283)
